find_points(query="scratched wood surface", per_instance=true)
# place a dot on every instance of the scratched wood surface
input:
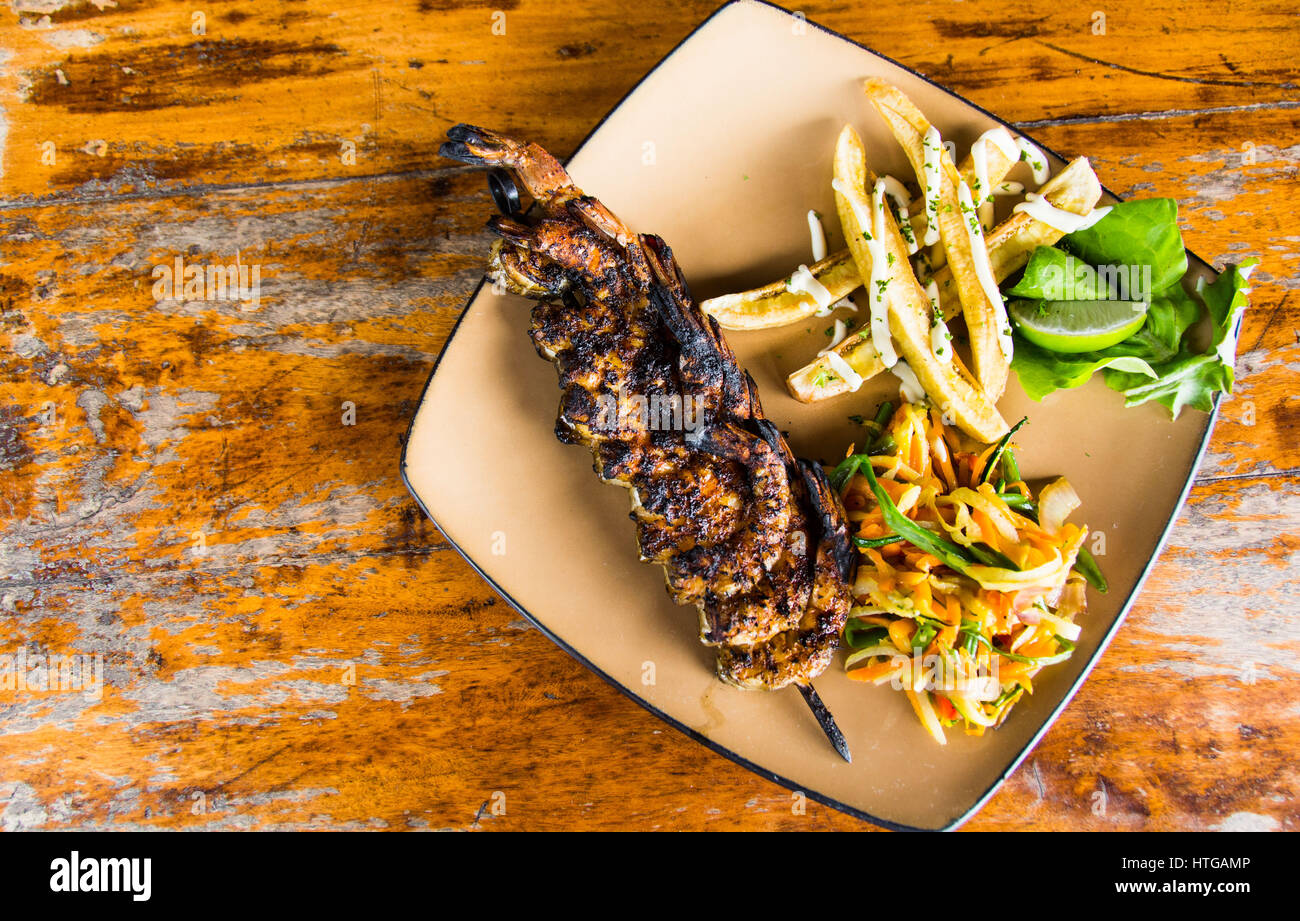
(287, 643)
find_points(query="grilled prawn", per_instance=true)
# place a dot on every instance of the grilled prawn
(752, 537)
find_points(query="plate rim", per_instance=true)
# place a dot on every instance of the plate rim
(716, 747)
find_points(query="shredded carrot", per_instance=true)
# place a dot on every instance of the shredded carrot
(988, 533)
(901, 631)
(874, 671)
(1013, 671)
(878, 620)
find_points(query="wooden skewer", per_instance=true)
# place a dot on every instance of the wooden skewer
(825, 720)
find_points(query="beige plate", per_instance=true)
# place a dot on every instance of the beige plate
(722, 149)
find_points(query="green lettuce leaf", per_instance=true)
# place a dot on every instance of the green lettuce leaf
(1226, 299)
(1137, 233)
(1192, 378)
(1168, 319)
(1041, 372)
(1049, 269)
(1156, 363)
(1187, 379)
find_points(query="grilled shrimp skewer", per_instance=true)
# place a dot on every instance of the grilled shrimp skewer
(753, 538)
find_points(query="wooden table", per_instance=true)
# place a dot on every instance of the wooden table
(206, 493)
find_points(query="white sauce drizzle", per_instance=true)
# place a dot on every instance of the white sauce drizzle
(864, 221)
(874, 229)
(842, 368)
(1040, 209)
(878, 286)
(1037, 162)
(803, 282)
(1009, 188)
(896, 191)
(1000, 139)
(933, 146)
(841, 330)
(910, 389)
(932, 292)
(818, 236)
(940, 338)
(898, 194)
(979, 156)
(984, 269)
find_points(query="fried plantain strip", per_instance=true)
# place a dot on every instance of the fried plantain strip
(1075, 189)
(948, 384)
(997, 164)
(1011, 243)
(987, 325)
(776, 305)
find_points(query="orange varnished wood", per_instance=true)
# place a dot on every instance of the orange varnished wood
(288, 643)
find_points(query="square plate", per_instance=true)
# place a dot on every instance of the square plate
(722, 149)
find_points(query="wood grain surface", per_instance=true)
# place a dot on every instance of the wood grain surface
(205, 494)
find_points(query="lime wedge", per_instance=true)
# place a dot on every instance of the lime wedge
(1077, 326)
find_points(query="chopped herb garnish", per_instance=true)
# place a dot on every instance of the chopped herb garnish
(1036, 164)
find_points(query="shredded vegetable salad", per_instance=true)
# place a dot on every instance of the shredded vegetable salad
(968, 583)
